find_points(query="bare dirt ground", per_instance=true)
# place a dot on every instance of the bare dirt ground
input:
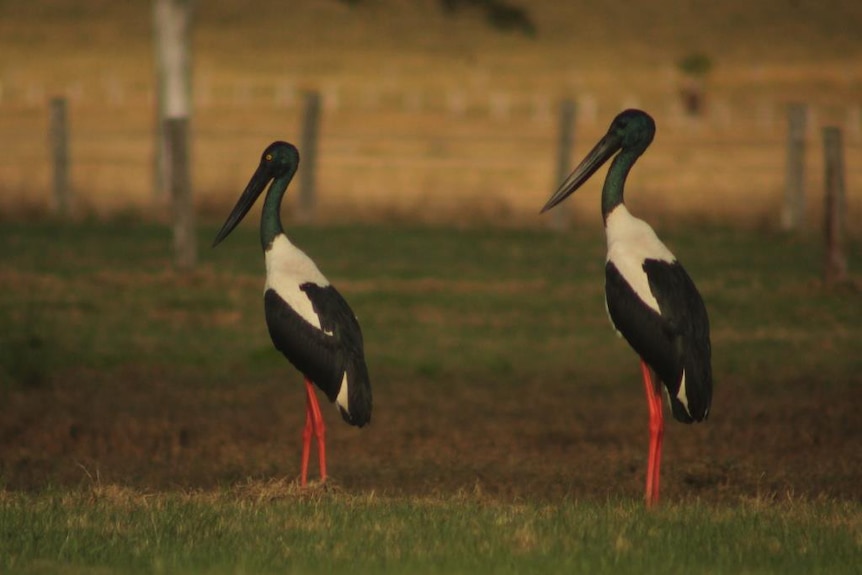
(544, 440)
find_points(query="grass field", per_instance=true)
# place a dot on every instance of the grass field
(274, 530)
(146, 423)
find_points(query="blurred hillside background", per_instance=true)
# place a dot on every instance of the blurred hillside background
(433, 116)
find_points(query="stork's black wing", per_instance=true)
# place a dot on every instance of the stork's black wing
(324, 354)
(674, 339)
(684, 315)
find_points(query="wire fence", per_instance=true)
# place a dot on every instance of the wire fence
(387, 151)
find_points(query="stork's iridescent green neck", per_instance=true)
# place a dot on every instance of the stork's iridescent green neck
(270, 217)
(613, 188)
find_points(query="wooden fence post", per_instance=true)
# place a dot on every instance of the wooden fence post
(793, 212)
(160, 157)
(308, 150)
(59, 141)
(172, 23)
(185, 244)
(565, 143)
(835, 268)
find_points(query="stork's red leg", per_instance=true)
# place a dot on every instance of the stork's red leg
(319, 427)
(656, 433)
(306, 440)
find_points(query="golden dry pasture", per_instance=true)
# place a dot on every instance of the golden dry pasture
(432, 117)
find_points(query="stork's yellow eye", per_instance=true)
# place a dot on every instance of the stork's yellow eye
(269, 157)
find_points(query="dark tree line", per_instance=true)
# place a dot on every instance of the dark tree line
(500, 14)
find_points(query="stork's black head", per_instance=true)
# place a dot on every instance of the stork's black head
(634, 130)
(278, 161)
(631, 132)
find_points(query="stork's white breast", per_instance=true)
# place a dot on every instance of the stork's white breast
(631, 241)
(287, 268)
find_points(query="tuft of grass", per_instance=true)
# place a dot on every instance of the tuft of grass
(22, 360)
(29, 348)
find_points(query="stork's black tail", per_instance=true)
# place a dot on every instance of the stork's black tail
(358, 409)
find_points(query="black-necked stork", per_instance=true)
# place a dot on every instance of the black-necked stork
(651, 300)
(308, 320)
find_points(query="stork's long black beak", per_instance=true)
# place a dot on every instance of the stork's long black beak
(254, 188)
(601, 153)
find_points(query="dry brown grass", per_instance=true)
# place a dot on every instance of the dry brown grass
(432, 119)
